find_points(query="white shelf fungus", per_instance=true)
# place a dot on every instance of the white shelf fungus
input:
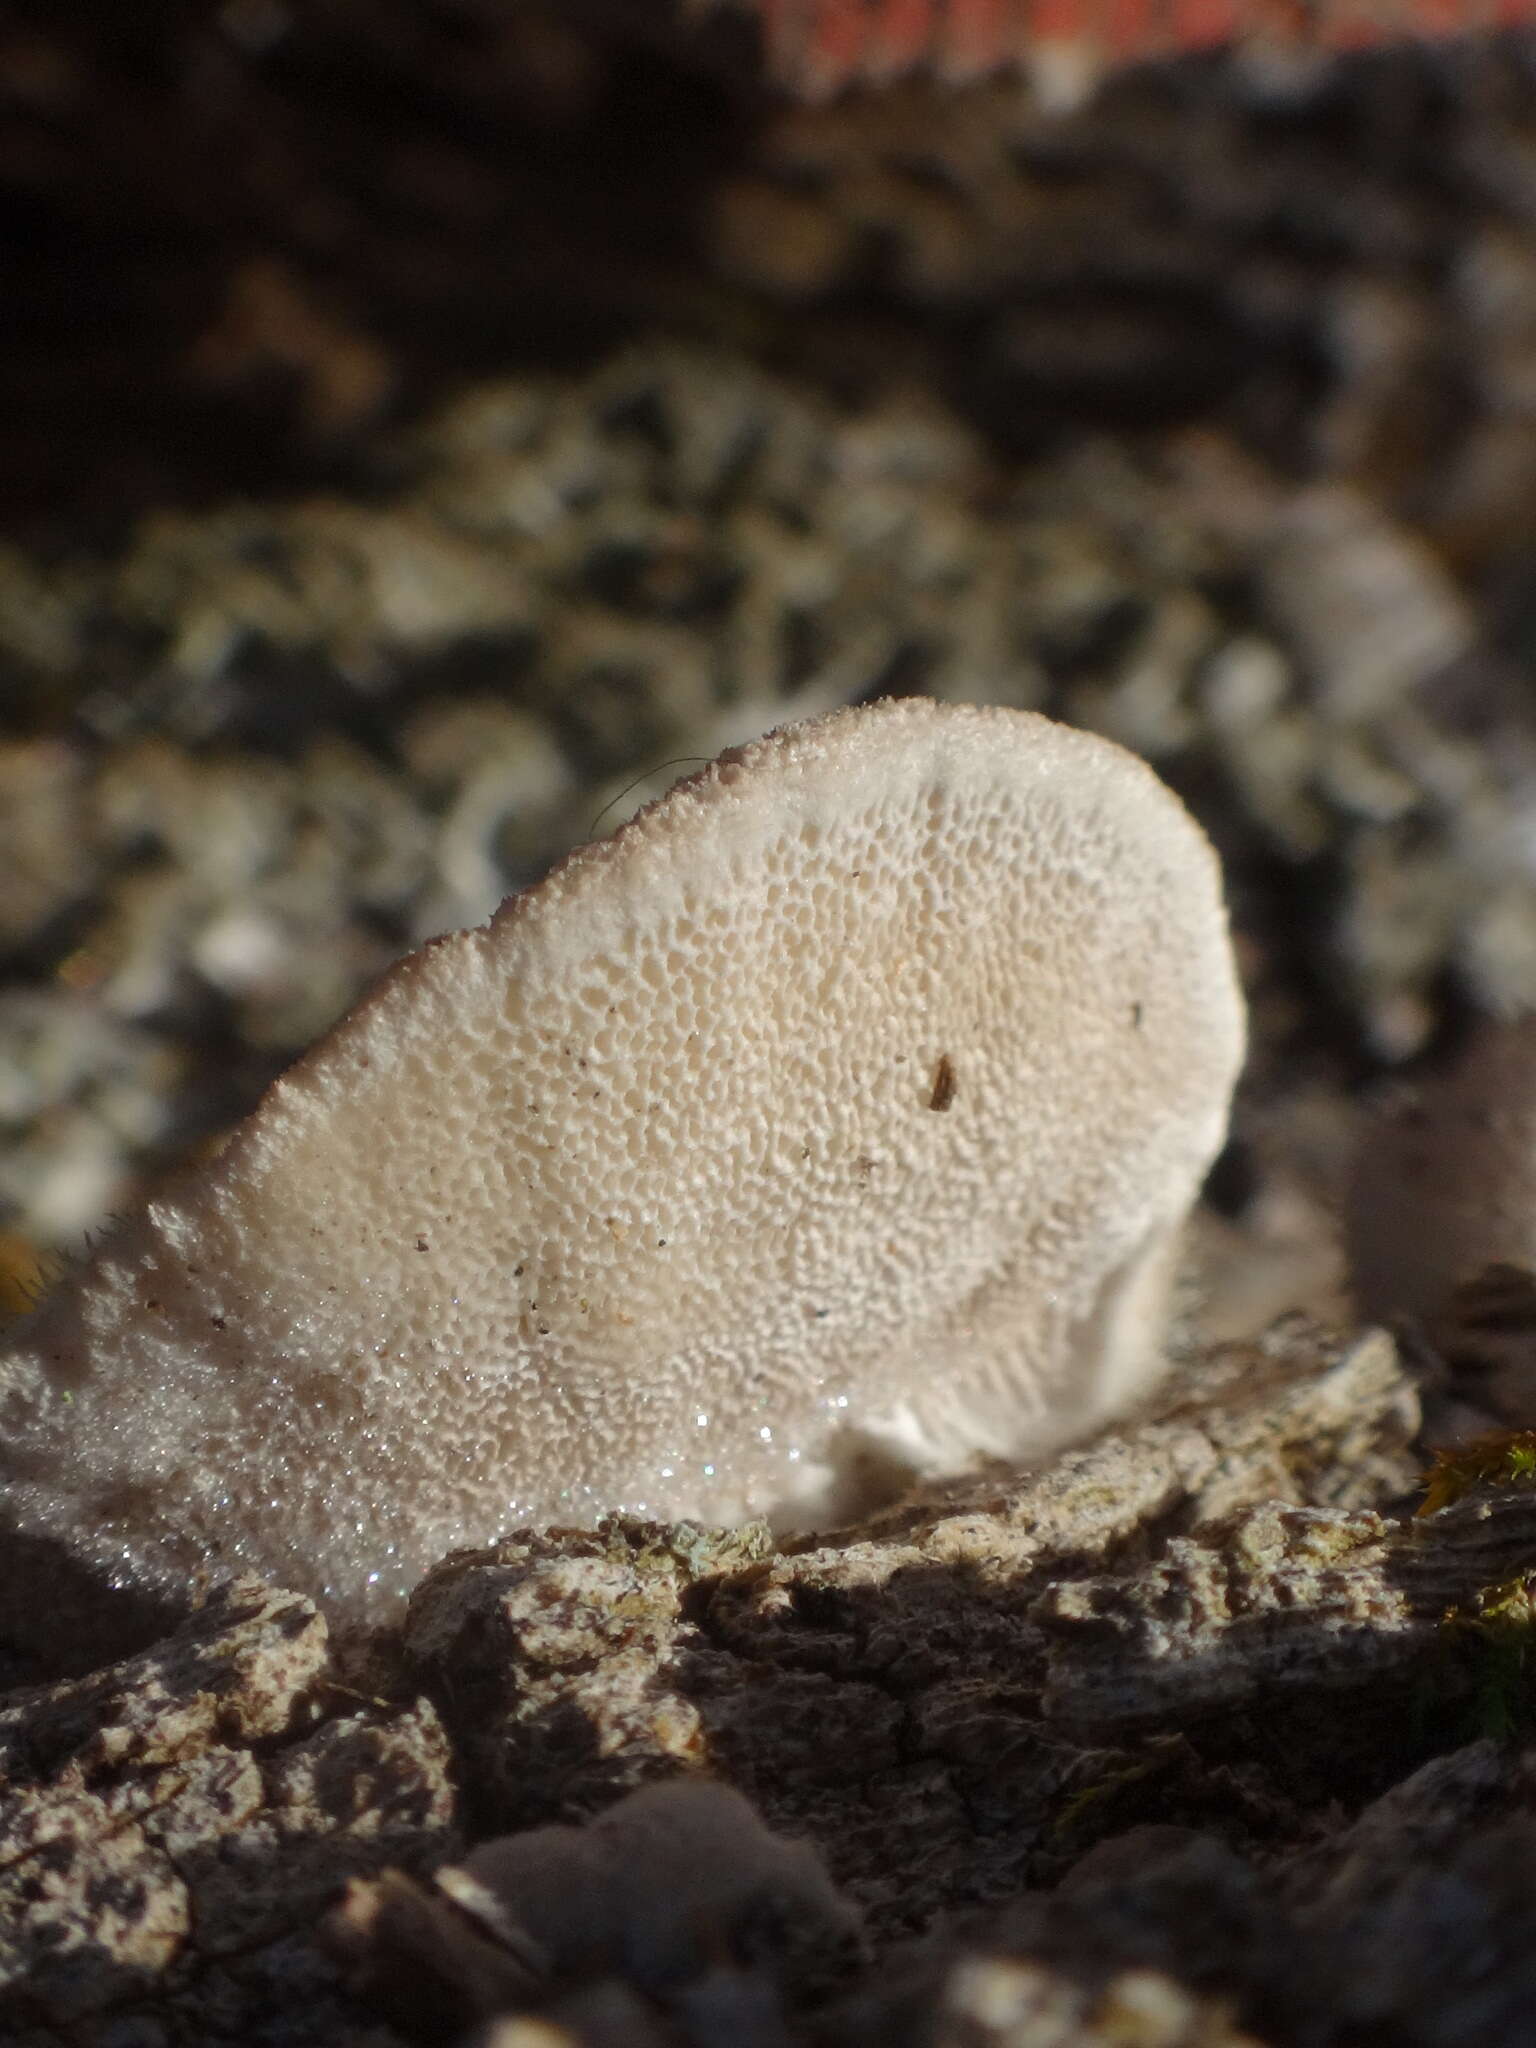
(849, 1099)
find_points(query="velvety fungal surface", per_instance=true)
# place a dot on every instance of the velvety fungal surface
(850, 1098)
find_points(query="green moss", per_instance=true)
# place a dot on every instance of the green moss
(1494, 1636)
(1096, 1808)
(683, 1550)
(1491, 1638)
(1506, 1459)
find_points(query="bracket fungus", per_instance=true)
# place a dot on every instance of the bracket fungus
(846, 1102)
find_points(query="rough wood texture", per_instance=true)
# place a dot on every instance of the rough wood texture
(171, 1828)
(1190, 1732)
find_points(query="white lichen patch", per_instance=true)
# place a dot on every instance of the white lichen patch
(847, 1100)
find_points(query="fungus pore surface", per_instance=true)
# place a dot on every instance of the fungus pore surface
(846, 1101)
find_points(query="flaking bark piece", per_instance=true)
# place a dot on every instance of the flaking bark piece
(846, 1101)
